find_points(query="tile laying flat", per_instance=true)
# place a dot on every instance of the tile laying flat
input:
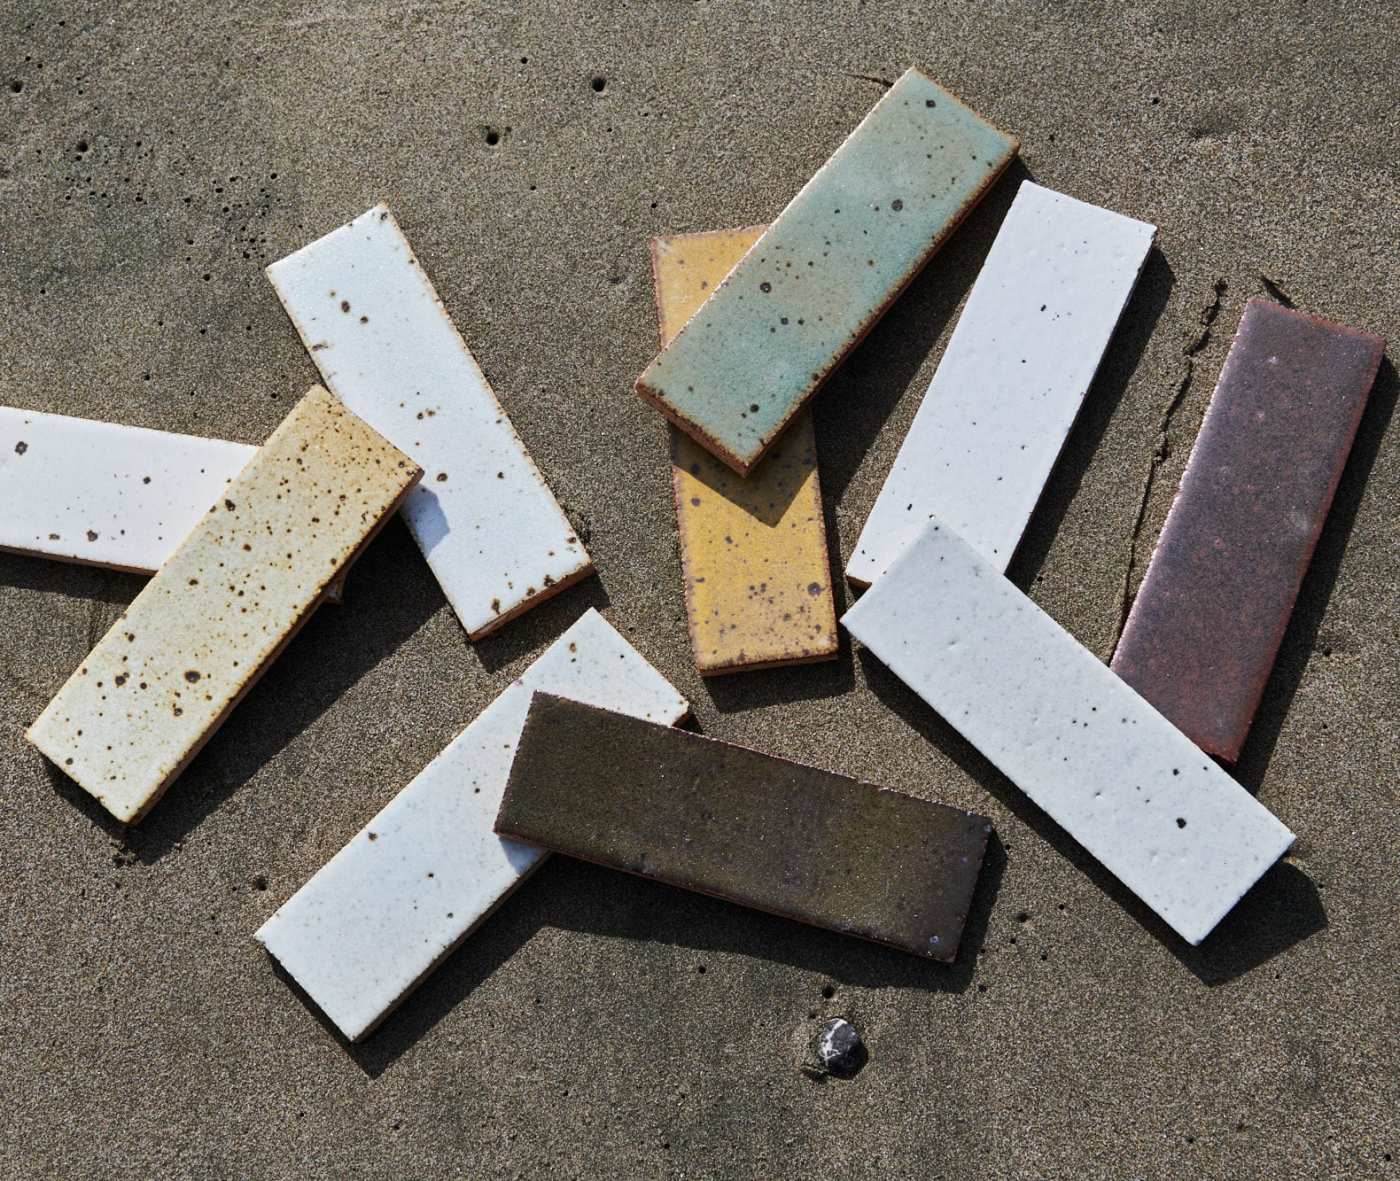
(705, 815)
(1212, 609)
(493, 534)
(1011, 380)
(826, 270)
(221, 608)
(757, 575)
(420, 877)
(1120, 779)
(102, 494)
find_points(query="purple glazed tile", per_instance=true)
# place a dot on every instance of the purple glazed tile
(762, 831)
(1208, 620)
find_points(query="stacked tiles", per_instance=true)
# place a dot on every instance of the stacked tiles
(753, 549)
(223, 606)
(824, 272)
(491, 530)
(428, 869)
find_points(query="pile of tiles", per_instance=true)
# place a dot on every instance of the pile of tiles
(582, 754)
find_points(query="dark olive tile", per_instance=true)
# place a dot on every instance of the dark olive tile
(738, 824)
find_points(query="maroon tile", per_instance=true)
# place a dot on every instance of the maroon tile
(1207, 622)
(725, 820)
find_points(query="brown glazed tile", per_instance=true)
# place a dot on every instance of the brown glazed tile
(725, 820)
(1208, 620)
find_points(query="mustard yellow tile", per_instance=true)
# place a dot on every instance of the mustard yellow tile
(757, 579)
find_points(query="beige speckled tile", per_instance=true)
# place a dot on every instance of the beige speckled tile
(217, 613)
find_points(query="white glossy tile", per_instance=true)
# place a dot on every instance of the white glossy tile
(1011, 380)
(420, 876)
(493, 534)
(220, 609)
(1127, 785)
(104, 494)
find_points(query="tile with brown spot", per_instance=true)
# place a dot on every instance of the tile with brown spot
(1207, 622)
(753, 551)
(492, 532)
(103, 494)
(725, 820)
(202, 631)
(826, 270)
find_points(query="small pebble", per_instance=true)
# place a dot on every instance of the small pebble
(839, 1047)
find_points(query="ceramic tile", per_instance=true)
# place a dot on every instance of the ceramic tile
(826, 270)
(103, 494)
(492, 532)
(419, 877)
(1011, 379)
(201, 632)
(753, 551)
(1207, 622)
(1121, 780)
(705, 815)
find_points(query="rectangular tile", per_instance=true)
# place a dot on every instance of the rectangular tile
(724, 820)
(1011, 380)
(753, 551)
(1126, 784)
(221, 608)
(826, 270)
(491, 530)
(428, 869)
(1207, 622)
(102, 494)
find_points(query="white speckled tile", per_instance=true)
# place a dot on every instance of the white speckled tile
(221, 608)
(420, 876)
(1011, 380)
(103, 494)
(1127, 785)
(826, 270)
(493, 534)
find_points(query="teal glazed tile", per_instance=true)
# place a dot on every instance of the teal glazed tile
(826, 270)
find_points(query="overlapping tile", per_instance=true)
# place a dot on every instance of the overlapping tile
(1207, 622)
(490, 528)
(761, 831)
(220, 609)
(1011, 379)
(103, 494)
(753, 551)
(825, 271)
(1120, 779)
(420, 876)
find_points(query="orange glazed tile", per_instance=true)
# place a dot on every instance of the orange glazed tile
(757, 578)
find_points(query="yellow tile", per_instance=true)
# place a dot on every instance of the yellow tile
(757, 578)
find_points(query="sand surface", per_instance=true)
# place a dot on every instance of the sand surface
(152, 161)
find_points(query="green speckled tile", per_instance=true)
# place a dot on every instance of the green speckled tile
(826, 270)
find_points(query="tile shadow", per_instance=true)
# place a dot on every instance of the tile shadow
(1300, 639)
(1283, 908)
